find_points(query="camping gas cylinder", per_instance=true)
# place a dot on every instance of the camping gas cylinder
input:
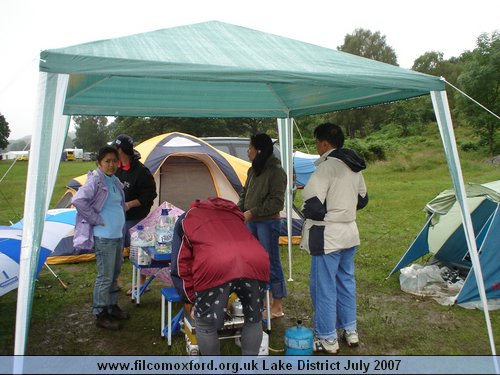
(299, 340)
(237, 308)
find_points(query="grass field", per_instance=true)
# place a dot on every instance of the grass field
(390, 322)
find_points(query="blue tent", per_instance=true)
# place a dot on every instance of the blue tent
(304, 166)
(443, 235)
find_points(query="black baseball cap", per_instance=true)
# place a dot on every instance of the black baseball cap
(124, 142)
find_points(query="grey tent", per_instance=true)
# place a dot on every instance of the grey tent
(210, 69)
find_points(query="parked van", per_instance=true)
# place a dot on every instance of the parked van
(235, 146)
(22, 157)
(238, 147)
(89, 156)
(69, 155)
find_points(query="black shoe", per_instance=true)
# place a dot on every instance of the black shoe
(118, 313)
(104, 320)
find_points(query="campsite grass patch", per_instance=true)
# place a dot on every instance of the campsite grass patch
(390, 321)
(13, 185)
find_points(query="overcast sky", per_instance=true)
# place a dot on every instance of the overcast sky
(411, 28)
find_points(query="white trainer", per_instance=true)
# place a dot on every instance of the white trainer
(350, 337)
(328, 346)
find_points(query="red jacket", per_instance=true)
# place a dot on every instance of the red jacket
(212, 246)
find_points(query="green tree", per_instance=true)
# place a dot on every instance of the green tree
(364, 43)
(480, 79)
(433, 63)
(408, 114)
(91, 132)
(4, 132)
(373, 46)
(69, 143)
(142, 128)
(429, 63)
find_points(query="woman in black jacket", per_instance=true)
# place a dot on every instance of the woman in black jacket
(261, 201)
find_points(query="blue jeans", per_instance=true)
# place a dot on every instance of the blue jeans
(333, 292)
(268, 232)
(108, 253)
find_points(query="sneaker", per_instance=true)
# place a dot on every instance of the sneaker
(324, 345)
(117, 313)
(104, 320)
(351, 337)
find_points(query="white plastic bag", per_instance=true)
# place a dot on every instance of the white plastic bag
(420, 280)
(428, 281)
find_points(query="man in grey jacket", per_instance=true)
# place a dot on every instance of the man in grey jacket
(331, 197)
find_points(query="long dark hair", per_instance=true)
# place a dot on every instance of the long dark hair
(264, 146)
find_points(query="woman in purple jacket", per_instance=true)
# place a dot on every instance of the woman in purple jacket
(100, 205)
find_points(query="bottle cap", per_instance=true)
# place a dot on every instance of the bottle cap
(164, 211)
(140, 227)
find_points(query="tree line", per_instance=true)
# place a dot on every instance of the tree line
(475, 72)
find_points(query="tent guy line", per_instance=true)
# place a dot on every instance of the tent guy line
(472, 99)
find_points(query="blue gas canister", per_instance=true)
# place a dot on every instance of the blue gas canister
(299, 340)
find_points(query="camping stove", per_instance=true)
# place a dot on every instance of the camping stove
(231, 329)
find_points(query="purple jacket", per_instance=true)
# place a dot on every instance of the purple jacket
(89, 201)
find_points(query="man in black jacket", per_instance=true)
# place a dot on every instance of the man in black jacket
(138, 184)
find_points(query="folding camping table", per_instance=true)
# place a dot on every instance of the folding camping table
(157, 261)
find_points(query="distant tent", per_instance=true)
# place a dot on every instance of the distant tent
(186, 168)
(443, 235)
(304, 166)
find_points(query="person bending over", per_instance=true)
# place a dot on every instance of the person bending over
(213, 255)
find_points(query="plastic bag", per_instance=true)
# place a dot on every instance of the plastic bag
(420, 280)
(440, 283)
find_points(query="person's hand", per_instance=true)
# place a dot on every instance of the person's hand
(189, 308)
(247, 215)
(131, 204)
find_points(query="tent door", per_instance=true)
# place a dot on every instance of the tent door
(183, 180)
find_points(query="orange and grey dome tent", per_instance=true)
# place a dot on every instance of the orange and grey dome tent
(185, 168)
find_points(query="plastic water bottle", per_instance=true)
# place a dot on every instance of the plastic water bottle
(141, 242)
(134, 240)
(165, 232)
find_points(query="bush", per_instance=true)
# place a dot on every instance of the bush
(377, 150)
(359, 146)
(469, 146)
(371, 150)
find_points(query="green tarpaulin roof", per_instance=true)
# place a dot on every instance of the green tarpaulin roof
(214, 69)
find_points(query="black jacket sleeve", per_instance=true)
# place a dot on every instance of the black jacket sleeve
(176, 245)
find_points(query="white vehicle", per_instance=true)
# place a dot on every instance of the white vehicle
(78, 152)
(89, 156)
